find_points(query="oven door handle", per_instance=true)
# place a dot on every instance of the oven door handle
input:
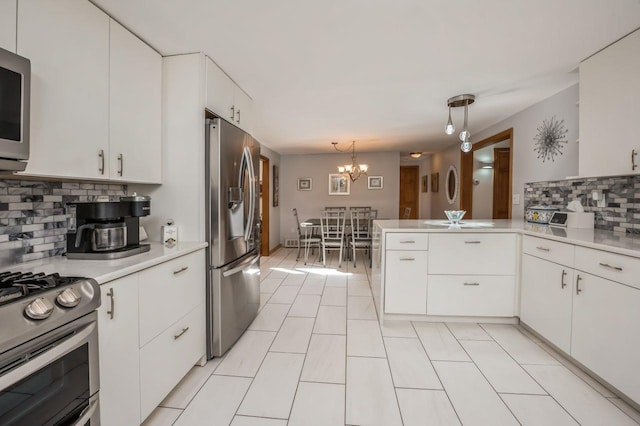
(87, 413)
(46, 357)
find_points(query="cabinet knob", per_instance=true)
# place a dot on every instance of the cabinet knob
(238, 115)
(184, 268)
(634, 153)
(121, 164)
(179, 335)
(111, 311)
(233, 112)
(562, 283)
(101, 158)
(578, 289)
(615, 268)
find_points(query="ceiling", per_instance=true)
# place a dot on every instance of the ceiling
(380, 72)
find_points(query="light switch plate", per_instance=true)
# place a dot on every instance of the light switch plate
(515, 198)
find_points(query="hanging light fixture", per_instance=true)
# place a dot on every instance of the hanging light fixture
(465, 135)
(353, 170)
(415, 154)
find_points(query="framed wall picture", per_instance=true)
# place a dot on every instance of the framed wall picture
(425, 183)
(276, 186)
(305, 184)
(435, 179)
(375, 182)
(338, 184)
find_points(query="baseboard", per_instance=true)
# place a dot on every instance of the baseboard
(275, 249)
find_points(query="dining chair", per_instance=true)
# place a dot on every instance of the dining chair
(306, 238)
(361, 223)
(335, 208)
(407, 213)
(332, 230)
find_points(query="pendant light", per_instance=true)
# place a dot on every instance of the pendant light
(449, 128)
(465, 135)
(353, 170)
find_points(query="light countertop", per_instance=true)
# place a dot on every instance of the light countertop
(104, 271)
(592, 238)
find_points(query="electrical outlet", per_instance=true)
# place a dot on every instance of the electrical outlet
(602, 201)
(595, 195)
(515, 198)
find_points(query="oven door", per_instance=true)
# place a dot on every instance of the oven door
(53, 379)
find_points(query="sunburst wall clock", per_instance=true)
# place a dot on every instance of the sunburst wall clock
(550, 139)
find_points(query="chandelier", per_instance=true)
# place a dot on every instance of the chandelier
(465, 136)
(353, 170)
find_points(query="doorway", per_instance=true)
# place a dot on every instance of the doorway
(409, 187)
(494, 173)
(264, 206)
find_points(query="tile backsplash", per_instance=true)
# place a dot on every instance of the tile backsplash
(622, 199)
(33, 223)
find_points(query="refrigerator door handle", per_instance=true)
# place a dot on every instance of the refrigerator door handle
(252, 189)
(241, 267)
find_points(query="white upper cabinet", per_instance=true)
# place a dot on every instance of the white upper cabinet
(226, 99)
(135, 108)
(609, 111)
(67, 42)
(8, 25)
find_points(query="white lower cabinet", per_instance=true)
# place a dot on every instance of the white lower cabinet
(169, 357)
(592, 318)
(547, 290)
(135, 373)
(406, 282)
(605, 331)
(471, 295)
(118, 352)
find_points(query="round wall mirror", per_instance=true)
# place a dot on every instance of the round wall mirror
(452, 185)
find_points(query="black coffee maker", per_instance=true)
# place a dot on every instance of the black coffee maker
(106, 230)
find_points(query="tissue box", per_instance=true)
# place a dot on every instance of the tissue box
(580, 220)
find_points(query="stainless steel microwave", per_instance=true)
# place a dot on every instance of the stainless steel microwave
(15, 99)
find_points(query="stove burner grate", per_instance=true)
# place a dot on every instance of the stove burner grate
(15, 285)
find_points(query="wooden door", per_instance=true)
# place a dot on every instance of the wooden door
(409, 186)
(501, 160)
(264, 206)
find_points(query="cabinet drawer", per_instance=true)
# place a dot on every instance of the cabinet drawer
(553, 251)
(168, 291)
(169, 357)
(616, 267)
(472, 254)
(406, 282)
(406, 241)
(469, 295)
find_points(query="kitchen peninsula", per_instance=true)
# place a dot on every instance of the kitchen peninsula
(576, 288)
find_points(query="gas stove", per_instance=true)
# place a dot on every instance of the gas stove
(32, 304)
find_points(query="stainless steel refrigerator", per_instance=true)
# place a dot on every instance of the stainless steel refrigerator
(233, 233)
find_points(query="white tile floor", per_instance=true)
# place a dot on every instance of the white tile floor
(316, 355)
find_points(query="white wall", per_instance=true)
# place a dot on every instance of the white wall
(274, 212)
(526, 166)
(425, 197)
(318, 167)
(440, 163)
(181, 196)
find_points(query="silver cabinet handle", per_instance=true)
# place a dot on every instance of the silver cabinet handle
(179, 335)
(233, 112)
(111, 312)
(407, 258)
(408, 242)
(543, 248)
(606, 265)
(562, 283)
(472, 242)
(184, 268)
(101, 157)
(238, 119)
(633, 159)
(578, 289)
(121, 164)
(471, 283)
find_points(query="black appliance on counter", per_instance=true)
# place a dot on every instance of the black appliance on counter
(106, 230)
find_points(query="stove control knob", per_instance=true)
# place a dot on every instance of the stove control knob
(69, 298)
(39, 309)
